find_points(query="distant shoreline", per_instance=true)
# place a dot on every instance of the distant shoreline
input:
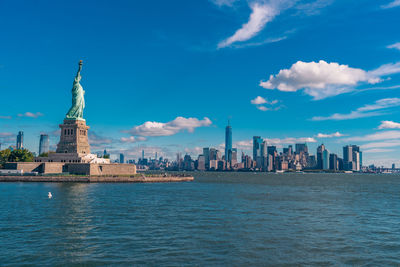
(97, 179)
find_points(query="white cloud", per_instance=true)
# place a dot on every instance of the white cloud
(395, 3)
(378, 150)
(263, 12)
(31, 115)
(388, 135)
(384, 70)
(152, 128)
(262, 108)
(389, 125)
(394, 46)
(260, 16)
(322, 79)
(258, 100)
(6, 117)
(365, 111)
(337, 134)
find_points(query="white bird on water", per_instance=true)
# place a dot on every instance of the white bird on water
(49, 195)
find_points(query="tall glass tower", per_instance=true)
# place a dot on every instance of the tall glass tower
(228, 143)
(257, 141)
(44, 144)
(20, 140)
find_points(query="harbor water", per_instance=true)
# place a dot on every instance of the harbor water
(219, 219)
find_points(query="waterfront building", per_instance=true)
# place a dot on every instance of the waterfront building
(20, 140)
(201, 163)
(325, 159)
(188, 164)
(206, 154)
(257, 141)
(213, 164)
(301, 148)
(264, 149)
(320, 151)
(234, 157)
(121, 158)
(228, 143)
(357, 158)
(347, 157)
(333, 162)
(44, 144)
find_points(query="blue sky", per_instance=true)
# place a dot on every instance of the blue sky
(166, 75)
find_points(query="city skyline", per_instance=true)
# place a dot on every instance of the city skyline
(170, 85)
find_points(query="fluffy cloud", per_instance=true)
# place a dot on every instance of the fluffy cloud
(322, 79)
(365, 111)
(6, 117)
(260, 101)
(337, 134)
(389, 125)
(395, 3)
(261, 14)
(151, 128)
(394, 46)
(31, 115)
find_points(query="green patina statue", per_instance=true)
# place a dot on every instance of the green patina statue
(78, 100)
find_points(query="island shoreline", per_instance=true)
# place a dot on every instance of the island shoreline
(96, 179)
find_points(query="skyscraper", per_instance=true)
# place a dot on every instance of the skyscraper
(320, 157)
(206, 154)
(333, 162)
(228, 143)
(43, 144)
(257, 141)
(20, 140)
(121, 158)
(348, 157)
(325, 159)
(301, 148)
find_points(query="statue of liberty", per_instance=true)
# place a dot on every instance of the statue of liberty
(78, 100)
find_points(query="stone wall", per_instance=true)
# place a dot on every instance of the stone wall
(73, 168)
(52, 167)
(25, 166)
(112, 169)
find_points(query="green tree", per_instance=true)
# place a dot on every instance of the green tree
(4, 155)
(21, 155)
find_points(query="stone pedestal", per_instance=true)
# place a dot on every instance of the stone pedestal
(74, 137)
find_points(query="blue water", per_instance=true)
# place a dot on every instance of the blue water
(220, 219)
